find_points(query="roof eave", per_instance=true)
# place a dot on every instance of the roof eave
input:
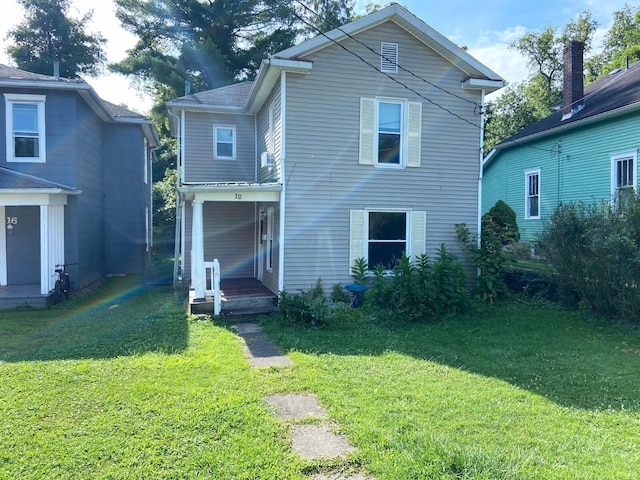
(483, 84)
(409, 22)
(561, 128)
(268, 75)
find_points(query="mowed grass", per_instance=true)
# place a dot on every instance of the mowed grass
(121, 383)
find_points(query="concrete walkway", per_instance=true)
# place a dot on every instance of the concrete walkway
(312, 441)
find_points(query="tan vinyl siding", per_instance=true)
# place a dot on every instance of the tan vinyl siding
(270, 174)
(229, 236)
(324, 178)
(200, 165)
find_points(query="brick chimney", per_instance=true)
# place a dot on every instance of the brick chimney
(573, 81)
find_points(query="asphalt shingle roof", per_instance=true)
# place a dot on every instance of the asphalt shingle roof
(16, 180)
(10, 73)
(235, 95)
(620, 88)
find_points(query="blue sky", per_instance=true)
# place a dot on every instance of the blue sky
(486, 28)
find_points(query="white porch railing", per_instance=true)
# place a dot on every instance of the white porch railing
(212, 283)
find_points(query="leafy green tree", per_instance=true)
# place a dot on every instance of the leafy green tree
(48, 33)
(508, 114)
(214, 43)
(532, 100)
(621, 44)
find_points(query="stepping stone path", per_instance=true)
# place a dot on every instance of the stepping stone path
(312, 442)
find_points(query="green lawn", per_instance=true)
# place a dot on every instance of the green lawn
(120, 383)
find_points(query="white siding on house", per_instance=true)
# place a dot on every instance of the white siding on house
(325, 180)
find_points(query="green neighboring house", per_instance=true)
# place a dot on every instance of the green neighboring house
(585, 151)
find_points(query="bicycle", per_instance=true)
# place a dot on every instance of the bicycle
(62, 285)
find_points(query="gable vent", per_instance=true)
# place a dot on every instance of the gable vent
(389, 57)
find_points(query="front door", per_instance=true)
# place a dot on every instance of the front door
(22, 226)
(261, 242)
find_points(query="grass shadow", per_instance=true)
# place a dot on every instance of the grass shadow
(121, 316)
(569, 358)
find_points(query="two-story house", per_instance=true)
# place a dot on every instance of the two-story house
(75, 185)
(361, 142)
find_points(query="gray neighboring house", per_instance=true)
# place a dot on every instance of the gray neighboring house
(75, 185)
(364, 142)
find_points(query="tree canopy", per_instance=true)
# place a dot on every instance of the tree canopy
(48, 33)
(214, 43)
(521, 105)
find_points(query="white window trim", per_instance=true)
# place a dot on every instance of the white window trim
(215, 142)
(407, 219)
(527, 173)
(39, 100)
(615, 158)
(403, 132)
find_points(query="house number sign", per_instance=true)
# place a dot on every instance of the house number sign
(238, 196)
(12, 221)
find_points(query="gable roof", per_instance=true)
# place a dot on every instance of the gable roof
(109, 112)
(410, 23)
(611, 95)
(249, 96)
(233, 96)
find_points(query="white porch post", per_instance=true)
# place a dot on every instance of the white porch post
(197, 242)
(51, 244)
(3, 249)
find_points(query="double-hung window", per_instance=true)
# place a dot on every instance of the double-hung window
(390, 129)
(390, 132)
(532, 194)
(380, 236)
(386, 239)
(25, 120)
(623, 174)
(224, 142)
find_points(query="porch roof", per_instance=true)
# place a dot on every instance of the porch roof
(232, 191)
(17, 182)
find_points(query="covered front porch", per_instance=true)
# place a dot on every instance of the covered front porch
(238, 296)
(229, 238)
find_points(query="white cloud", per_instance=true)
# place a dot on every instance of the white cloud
(112, 87)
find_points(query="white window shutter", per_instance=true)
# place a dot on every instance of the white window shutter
(418, 233)
(414, 133)
(356, 236)
(367, 131)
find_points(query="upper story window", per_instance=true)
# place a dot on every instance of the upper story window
(390, 132)
(532, 197)
(389, 57)
(25, 128)
(623, 174)
(390, 128)
(224, 142)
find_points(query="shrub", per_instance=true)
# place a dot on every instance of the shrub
(503, 221)
(420, 290)
(308, 308)
(595, 249)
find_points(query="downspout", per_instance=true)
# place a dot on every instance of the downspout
(281, 233)
(479, 220)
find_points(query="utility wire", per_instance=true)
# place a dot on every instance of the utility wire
(374, 67)
(381, 55)
(412, 90)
